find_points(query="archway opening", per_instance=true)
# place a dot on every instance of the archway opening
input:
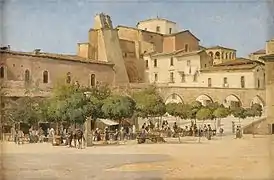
(174, 98)
(232, 101)
(204, 99)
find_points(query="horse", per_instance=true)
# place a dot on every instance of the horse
(77, 136)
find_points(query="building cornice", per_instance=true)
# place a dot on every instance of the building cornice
(267, 58)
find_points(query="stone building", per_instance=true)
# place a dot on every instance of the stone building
(21, 71)
(154, 51)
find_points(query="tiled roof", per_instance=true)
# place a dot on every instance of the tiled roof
(219, 47)
(261, 51)
(237, 64)
(56, 56)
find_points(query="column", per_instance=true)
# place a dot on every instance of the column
(269, 82)
(88, 132)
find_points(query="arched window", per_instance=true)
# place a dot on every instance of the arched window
(210, 54)
(217, 55)
(45, 77)
(92, 80)
(2, 72)
(27, 76)
(226, 55)
(68, 80)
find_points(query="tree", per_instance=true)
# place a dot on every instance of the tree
(239, 113)
(118, 107)
(221, 112)
(149, 103)
(258, 109)
(25, 110)
(171, 108)
(195, 107)
(204, 114)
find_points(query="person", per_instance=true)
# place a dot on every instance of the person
(122, 134)
(106, 134)
(116, 135)
(175, 127)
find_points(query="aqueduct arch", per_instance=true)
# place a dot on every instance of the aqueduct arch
(204, 99)
(174, 98)
(257, 99)
(232, 101)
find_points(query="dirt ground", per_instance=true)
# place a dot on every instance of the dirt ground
(220, 158)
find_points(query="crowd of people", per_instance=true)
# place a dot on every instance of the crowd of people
(121, 134)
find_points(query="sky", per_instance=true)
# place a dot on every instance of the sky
(58, 25)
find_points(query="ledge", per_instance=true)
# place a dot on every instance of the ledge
(268, 58)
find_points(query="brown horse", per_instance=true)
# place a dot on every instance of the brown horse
(78, 136)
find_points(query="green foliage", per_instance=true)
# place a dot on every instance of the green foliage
(25, 110)
(118, 107)
(171, 108)
(204, 114)
(221, 112)
(195, 107)
(149, 103)
(258, 109)
(239, 112)
(250, 112)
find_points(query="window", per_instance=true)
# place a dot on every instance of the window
(92, 80)
(259, 83)
(186, 48)
(158, 29)
(147, 64)
(210, 54)
(145, 29)
(45, 77)
(125, 54)
(2, 72)
(242, 82)
(68, 80)
(183, 77)
(27, 75)
(209, 82)
(188, 63)
(155, 77)
(171, 61)
(205, 65)
(170, 30)
(171, 77)
(225, 82)
(155, 63)
(226, 55)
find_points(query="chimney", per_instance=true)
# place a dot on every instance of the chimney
(36, 51)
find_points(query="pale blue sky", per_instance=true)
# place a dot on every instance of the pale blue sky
(57, 25)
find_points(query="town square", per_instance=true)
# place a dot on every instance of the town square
(89, 93)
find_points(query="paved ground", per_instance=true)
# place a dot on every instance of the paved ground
(226, 158)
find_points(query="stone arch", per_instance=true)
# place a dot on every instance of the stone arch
(217, 55)
(232, 101)
(210, 54)
(259, 100)
(204, 99)
(174, 98)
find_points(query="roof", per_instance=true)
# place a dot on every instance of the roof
(140, 30)
(108, 122)
(157, 18)
(220, 47)
(178, 53)
(202, 47)
(237, 64)
(65, 57)
(261, 51)
(181, 32)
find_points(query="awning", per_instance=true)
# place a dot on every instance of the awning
(108, 122)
